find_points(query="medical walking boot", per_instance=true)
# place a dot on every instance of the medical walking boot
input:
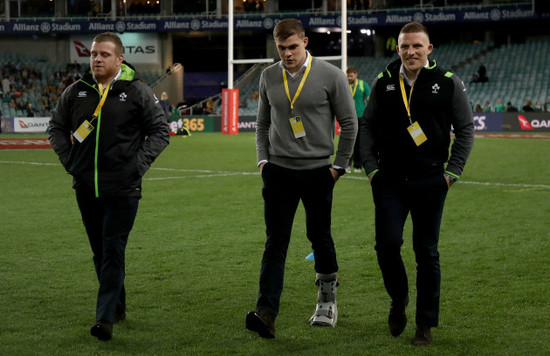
(326, 313)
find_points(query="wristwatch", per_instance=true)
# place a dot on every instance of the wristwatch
(452, 178)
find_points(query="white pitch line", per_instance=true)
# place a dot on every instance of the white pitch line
(182, 170)
(508, 184)
(232, 174)
(222, 174)
(479, 183)
(32, 163)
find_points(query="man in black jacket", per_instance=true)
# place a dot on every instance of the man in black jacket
(107, 130)
(405, 138)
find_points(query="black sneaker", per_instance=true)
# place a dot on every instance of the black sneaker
(397, 319)
(103, 330)
(261, 322)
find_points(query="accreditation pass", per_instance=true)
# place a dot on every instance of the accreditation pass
(83, 131)
(416, 133)
(297, 127)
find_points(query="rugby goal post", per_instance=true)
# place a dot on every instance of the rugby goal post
(230, 96)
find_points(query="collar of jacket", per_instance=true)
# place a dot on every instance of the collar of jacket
(128, 72)
(393, 67)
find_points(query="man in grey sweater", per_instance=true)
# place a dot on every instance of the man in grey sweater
(300, 97)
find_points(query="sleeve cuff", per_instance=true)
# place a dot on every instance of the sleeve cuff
(371, 173)
(452, 174)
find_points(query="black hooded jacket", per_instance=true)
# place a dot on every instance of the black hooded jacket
(129, 133)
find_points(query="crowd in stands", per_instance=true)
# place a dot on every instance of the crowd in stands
(501, 107)
(25, 90)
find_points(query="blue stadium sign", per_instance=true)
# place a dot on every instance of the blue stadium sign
(489, 14)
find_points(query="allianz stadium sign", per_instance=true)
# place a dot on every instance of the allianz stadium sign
(179, 24)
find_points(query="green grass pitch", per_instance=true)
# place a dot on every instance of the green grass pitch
(193, 260)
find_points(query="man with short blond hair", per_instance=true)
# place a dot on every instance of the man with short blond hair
(405, 138)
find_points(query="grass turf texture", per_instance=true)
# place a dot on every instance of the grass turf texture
(194, 254)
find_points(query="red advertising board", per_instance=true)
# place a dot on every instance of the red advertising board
(230, 111)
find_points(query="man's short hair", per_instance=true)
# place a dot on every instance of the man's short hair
(111, 37)
(414, 27)
(288, 27)
(351, 69)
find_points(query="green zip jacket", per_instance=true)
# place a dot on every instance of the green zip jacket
(129, 133)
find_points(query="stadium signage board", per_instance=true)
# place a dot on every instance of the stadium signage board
(179, 24)
(139, 48)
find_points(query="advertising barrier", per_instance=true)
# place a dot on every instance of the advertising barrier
(247, 123)
(526, 122)
(192, 123)
(483, 122)
(25, 124)
(488, 122)
(230, 111)
(512, 122)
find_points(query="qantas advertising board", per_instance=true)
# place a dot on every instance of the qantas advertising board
(30, 124)
(526, 122)
(512, 121)
(139, 48)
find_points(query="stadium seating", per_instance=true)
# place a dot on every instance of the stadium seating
(517, 72)
(32, 94)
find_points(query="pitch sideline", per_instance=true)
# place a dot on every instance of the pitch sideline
(213, 174)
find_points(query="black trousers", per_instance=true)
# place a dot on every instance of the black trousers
(355, 159)
(282, 191)
(424, 199)
(108, 222)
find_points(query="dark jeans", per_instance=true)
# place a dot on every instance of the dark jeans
(108, 222)
(424, 199)
(282, 191)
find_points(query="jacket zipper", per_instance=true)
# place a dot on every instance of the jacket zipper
(96, 149)
(96, 154)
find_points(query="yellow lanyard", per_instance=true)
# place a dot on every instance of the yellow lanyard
(103, 98)
(354, 88)
(406, 101)
(299, 90)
